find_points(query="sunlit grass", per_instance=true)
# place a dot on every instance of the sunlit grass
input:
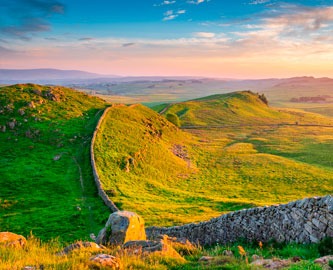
(228, 168)
(38, 193)
(45, 255)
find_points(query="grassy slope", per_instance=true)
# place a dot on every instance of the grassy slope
(236, 109)
(136, 133)
(232, 168)
(38, 193)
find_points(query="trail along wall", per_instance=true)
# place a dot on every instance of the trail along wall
(100, 189)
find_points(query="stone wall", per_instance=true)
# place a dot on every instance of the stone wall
(303, 221)
(101, 192)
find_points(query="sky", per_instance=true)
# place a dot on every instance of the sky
(211, 38)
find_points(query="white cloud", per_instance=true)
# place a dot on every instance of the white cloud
(204, 34)
(164, 3)
(170, 14)
(197, 2)
(304, 20)
(168, 2)
(258, 2)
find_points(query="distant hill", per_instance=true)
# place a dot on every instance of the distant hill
(175, 89)
(45, 75)
(46, 180)
(237, 108)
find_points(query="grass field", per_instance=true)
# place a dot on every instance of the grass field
(46, 179)
(214, 170)
(43, 255)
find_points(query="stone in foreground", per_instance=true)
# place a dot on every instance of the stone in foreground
(324, 260)
(272, 263)
(121, 227)
(105, 261)
(79, 246)
(12, 240)
(163, 247)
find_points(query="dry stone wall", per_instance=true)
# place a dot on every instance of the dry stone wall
(303, 221)
(100, 189)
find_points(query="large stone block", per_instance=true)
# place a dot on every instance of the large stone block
(122, 226)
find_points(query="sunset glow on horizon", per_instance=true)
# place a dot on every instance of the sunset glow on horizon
(212, 38)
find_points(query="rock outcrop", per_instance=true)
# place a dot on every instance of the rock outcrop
(122, 226)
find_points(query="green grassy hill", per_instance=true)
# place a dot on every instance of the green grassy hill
(171, 177)
(238, 108)
(46, 180)
(142, 160)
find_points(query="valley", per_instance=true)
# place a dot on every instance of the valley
(227, 152)
(238, 153)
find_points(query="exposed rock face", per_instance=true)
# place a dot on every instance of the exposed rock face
(105, 261)
(303, 221)
(12, 240)
(51, 95)
(122, 226)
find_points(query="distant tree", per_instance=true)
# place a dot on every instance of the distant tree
(263, 98)
(173, 118)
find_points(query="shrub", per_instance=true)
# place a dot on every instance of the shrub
(263, 98)
(173, 118)
(325, 246)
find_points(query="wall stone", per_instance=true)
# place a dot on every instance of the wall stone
(303, 221)
(98, 183)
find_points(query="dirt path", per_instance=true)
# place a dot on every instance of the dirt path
(166, 108)
(80, 172)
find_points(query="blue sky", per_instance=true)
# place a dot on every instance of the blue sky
(216, 38)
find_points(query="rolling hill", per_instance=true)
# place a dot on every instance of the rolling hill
(148, 165)
(46, 180)
(170, 176)
(238, 108)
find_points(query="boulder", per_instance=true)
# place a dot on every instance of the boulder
(324, 260)
(228, 253)
(121, 227)
(206, 259)
(12, 240)
(105, 261)
(272, 263)
(162, 247)
(79, 246)
(12, 124)
(31, 105)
